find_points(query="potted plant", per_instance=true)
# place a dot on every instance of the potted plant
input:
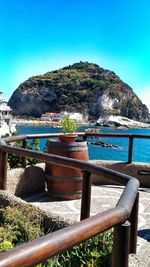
(65, 182)
(69, 127)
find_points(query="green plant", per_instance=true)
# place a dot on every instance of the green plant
(16, 161)
(34, 145)
(91, 253)
(22, 225)
(19, 225)
(5, 246)
(68, 125)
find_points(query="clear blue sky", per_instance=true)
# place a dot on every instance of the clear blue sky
(37, 36)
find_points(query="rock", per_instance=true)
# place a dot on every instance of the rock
(103, 144)
(8, 199)
(32, 181)
(122, 127)
(82, 86)
(13, 178)
(119, 122)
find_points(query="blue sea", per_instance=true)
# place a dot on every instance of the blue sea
(141, 151)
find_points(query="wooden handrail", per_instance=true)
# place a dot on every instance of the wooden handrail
(78, 164)
(52, 244)
(82, 134)
(129, 194)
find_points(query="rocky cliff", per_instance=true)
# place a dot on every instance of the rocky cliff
(83, 87)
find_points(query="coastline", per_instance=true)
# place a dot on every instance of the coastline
(111, 124)
(34, 123)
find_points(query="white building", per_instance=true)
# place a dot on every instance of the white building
(5, 110)
(74, 115)
(6, 126)
(50, 116)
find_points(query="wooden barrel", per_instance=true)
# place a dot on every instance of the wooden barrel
(65, 182)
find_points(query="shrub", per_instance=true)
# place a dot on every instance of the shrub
(22, 225)
(19, 225)
(34, 145)
(5, 246)
(15, 161)
(90, 253)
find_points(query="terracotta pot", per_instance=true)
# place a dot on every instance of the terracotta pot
(67, 137)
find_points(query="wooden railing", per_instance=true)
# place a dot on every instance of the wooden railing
(85, 136)
(123, 217)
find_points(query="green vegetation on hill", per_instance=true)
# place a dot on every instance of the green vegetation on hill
(83, 87)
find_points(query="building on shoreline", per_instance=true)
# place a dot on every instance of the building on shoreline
(5, 110)
(6, 124)
(56, 117)
(50, 116)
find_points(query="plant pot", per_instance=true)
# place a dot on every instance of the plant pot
(67, 137)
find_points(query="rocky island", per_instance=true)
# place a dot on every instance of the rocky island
(82, 86)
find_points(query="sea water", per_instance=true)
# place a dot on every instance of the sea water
(141, 147)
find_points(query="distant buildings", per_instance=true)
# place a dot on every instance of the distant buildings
(56, 117)
(6, 126)
(5, 110)
(74, 115)
(49, 116)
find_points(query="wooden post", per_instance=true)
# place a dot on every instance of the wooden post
(86, 195)
(130, 149)
(24, 145)
(3, 169)
(121, 244)
(133, 219)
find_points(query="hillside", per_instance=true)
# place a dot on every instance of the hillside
(83, 87)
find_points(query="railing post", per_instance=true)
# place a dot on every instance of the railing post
(133, 219)
(130, 149)
(24, 145)
(3, 169)
(86, 195)
(121, 244)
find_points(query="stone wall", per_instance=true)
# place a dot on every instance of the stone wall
(129, 169)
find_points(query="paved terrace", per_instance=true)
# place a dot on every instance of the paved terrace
(103, 198)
